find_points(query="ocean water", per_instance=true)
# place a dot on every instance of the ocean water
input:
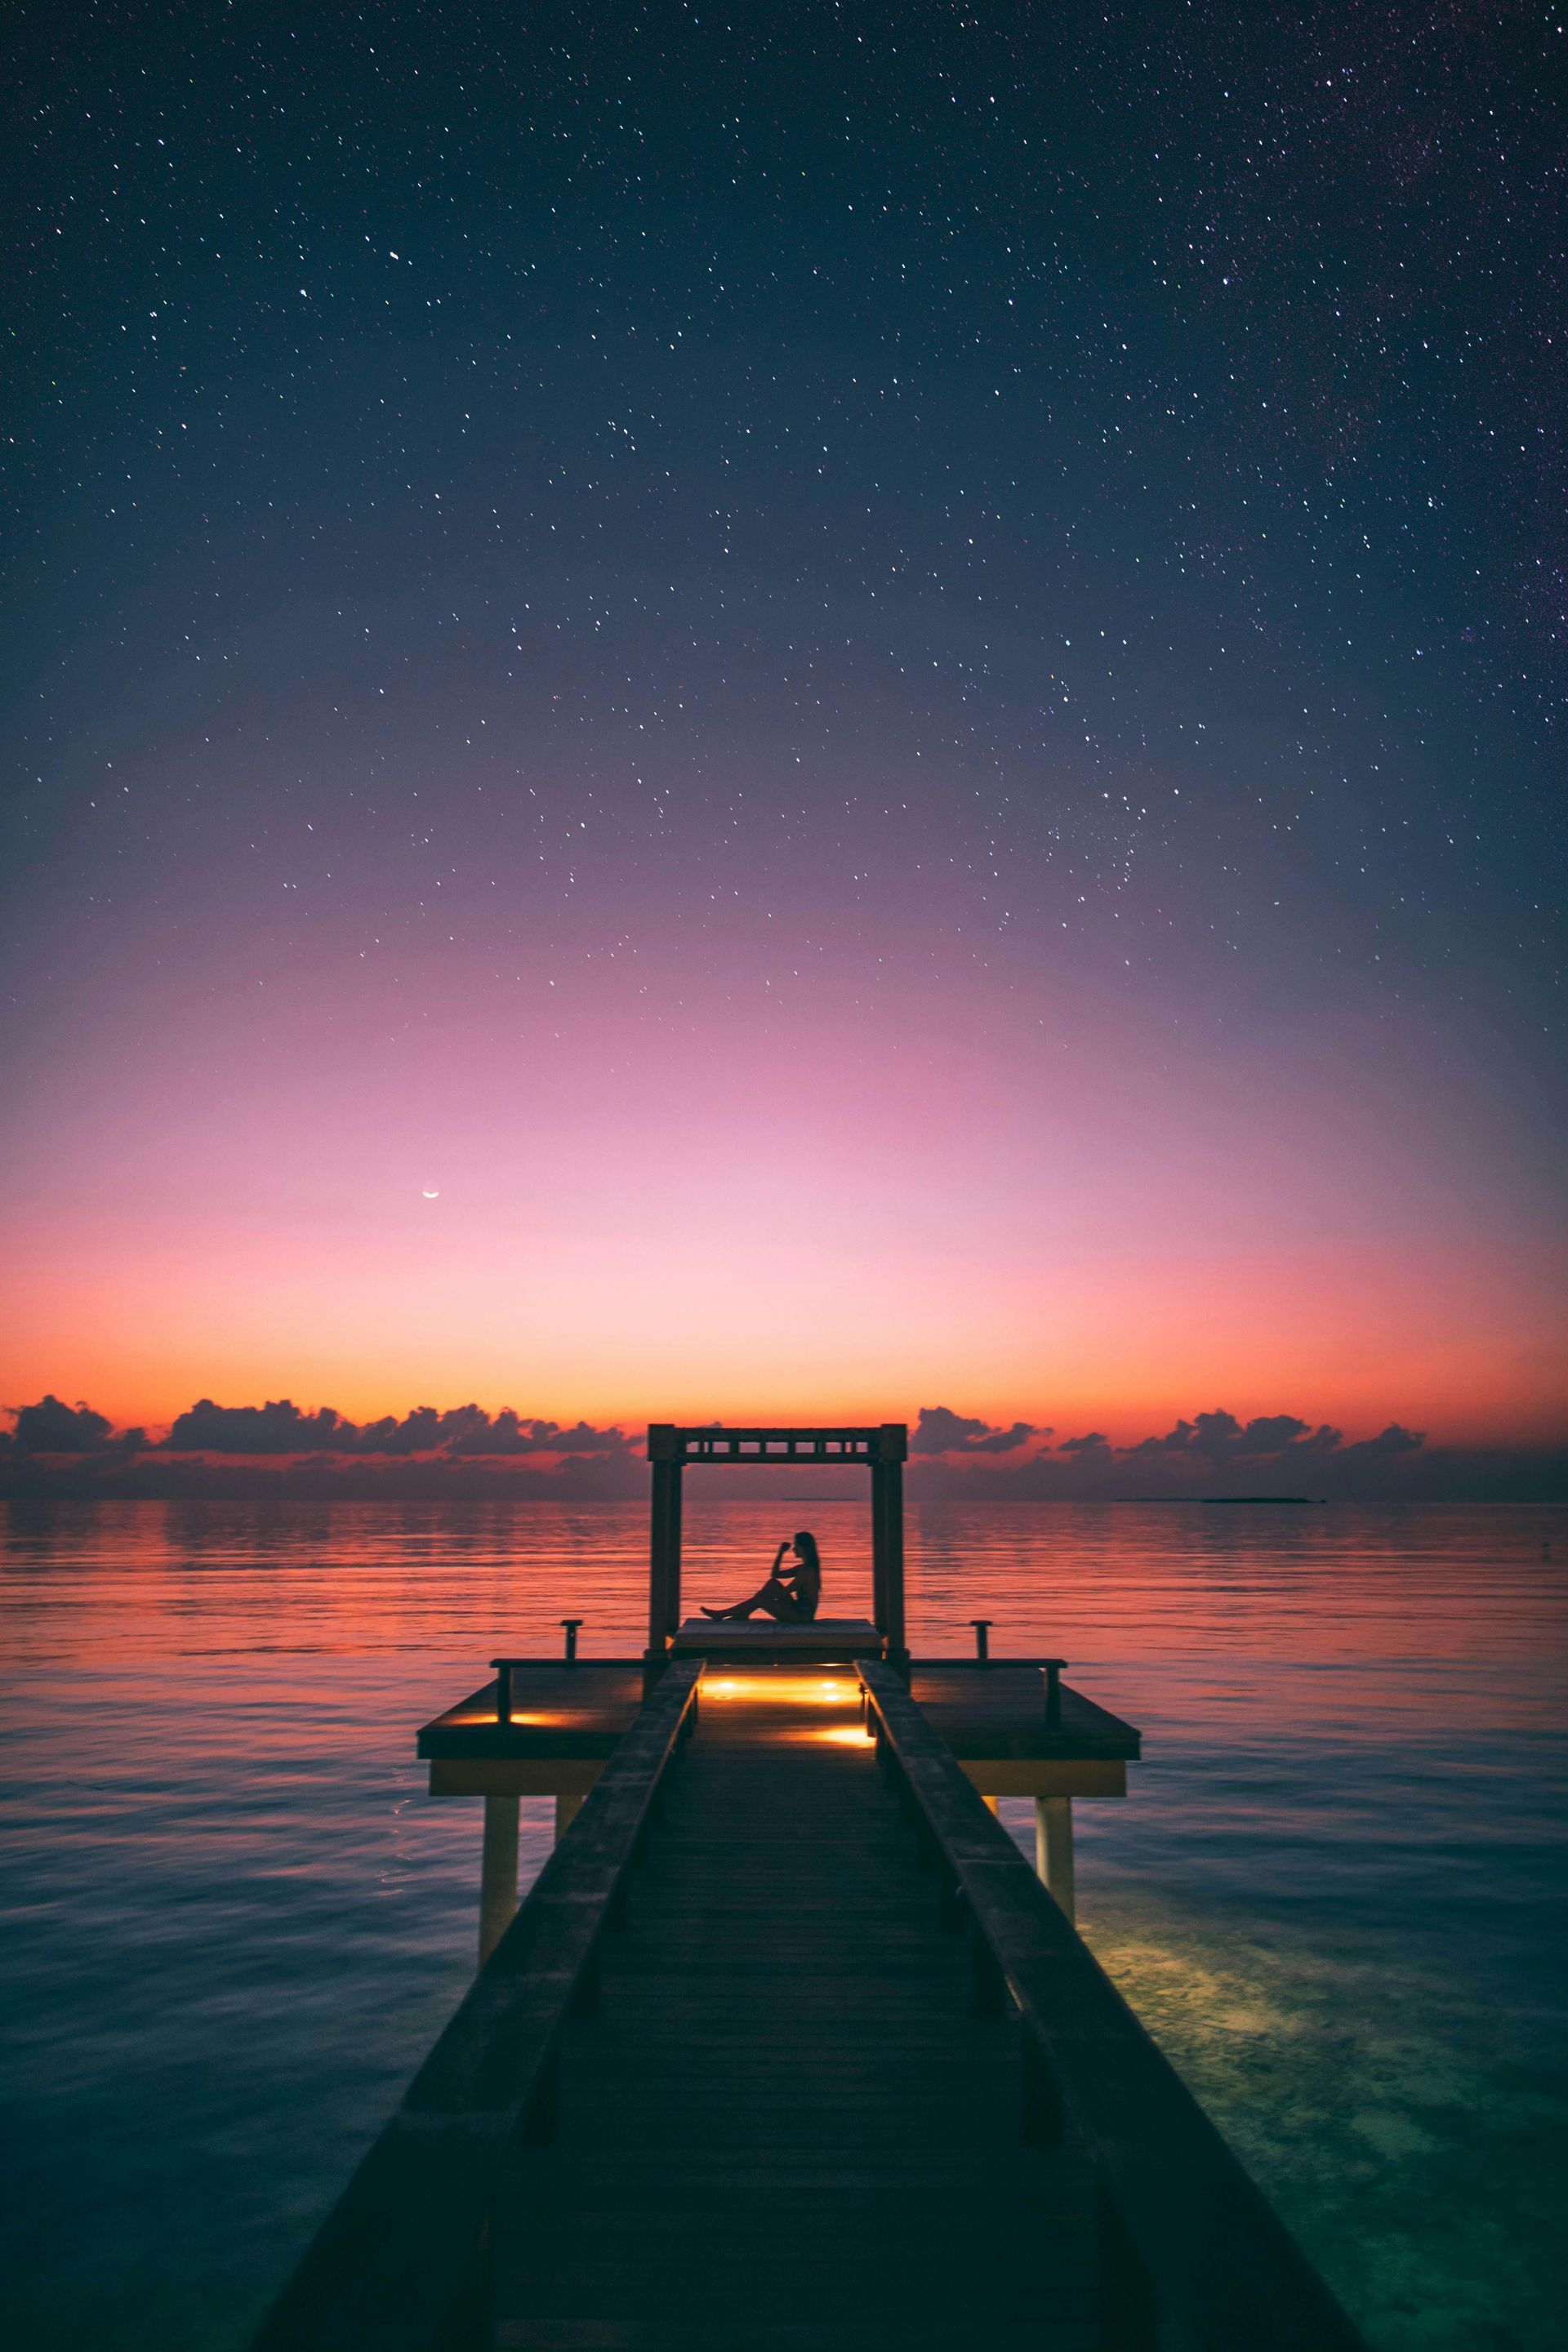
(233, 1920)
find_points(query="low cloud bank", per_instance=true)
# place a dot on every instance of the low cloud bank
(940, 1431)
(463, 1429)
(276, 1449)
(1274, 1453)
(1270, 1436)
(1208, 1440)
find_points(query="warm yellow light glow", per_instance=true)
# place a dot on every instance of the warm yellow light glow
(780, 1690)
(845, 1735)
(490, 1717)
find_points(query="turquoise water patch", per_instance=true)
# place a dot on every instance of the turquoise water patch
(1412, 2144)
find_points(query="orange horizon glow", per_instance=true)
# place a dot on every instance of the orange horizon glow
(1352, 1345)
(1093, 1220)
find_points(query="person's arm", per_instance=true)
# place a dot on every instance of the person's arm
(778, 1557)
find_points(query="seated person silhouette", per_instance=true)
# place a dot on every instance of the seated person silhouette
(790, 1594)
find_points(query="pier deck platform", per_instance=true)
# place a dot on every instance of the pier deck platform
(559, 1723)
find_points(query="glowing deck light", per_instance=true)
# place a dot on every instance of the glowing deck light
(780, 1690)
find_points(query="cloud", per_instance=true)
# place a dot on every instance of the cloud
(280, 1428)
(941, 1431)
(1214, 1453)
(1218, 1436)
(460, 1429)
(464, 1429)
(276, 1449)
(1392, 1440)
(509, 1434)
(51, 1426)
(583, 1439)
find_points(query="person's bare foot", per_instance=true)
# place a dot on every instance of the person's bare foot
(715, 1613)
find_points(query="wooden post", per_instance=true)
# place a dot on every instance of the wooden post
(672, 1587)
(568, 1805)
(892, 1618)
(880, 1548)
(658, 1556)
(497, 1874)
(664, 1553)
(1053, 1850)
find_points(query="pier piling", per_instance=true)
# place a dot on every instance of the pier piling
(498, 1873)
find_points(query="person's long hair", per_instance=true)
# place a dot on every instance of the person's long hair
(806, 1548)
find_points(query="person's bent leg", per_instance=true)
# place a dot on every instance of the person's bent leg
(775, 1599)
(778, 1601)
(742, 1608)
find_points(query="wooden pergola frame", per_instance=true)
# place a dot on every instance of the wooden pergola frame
(882, 1450)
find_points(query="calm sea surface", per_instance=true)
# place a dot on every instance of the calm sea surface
(234, 1919)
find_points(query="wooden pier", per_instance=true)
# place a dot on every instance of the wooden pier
(789, 2049)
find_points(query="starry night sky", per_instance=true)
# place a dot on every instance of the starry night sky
(883, 686)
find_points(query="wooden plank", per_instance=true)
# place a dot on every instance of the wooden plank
(395, 2262)
(999, 1709)
(829, 2333)
(1224, 2270)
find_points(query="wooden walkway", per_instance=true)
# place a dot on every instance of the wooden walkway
(788, 2048)
(786, 2130)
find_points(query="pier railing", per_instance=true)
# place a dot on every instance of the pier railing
(399, 2264)
(1192, 2259)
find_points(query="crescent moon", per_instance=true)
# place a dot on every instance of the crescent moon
(432, 1196)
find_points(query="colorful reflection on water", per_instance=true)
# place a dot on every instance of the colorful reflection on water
(234, 1919)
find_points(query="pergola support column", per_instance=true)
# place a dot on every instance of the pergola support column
(664, 1557)
(892, 1620)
